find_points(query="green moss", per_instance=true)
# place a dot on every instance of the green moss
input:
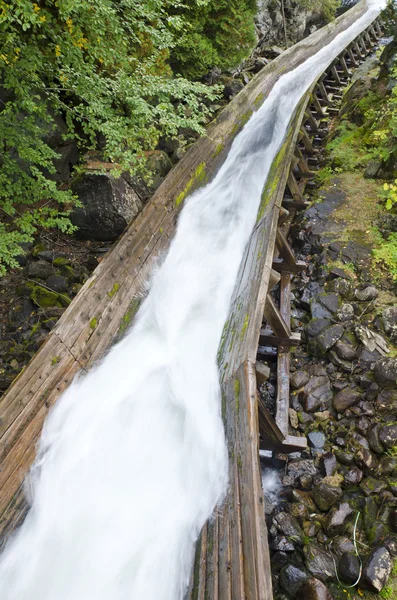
(259, 99)
(131, 312)
(218, 150)
(61, 261)
(387, 593)
(93, 323)
(114, 290)
(46, 299)
(239, 462)
(55, 360)
(161, 230)
(245, 326)
(198, 177)
(237, 393)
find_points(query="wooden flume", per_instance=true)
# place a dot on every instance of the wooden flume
(232, 558)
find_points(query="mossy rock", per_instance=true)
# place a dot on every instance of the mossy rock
(40, 247)
(60, 261)
(46, 299)
(25, 289)
(69, 272)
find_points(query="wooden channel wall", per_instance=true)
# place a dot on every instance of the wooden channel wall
(107, 304)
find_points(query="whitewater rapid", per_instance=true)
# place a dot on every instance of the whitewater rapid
(132, 459)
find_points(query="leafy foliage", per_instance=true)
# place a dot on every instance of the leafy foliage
(386, 255)
(218, 33)
(389, 193)
(103, 66)
(323, 8)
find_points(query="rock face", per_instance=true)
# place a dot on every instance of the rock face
(319, 562)
(108, 206)
(313, 589)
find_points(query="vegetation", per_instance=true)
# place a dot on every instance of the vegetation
(323, 8)
(104, 67)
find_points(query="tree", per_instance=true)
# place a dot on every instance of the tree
(103, 66)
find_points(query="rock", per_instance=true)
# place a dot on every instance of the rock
(293, 418)
(326, 494)
(298, 511)
(345, 399)
(289, 526)
(281, 544)
(389, 318)
(44, 298)
(317, 393)
(373, 168)
(325, 340)
(315, 326)
(349, 568)
(316, 439)
(345, 458)
(319, 561)
(330, 301)
(387, 465)
(322, 416)
(377, 570)
(57, 283)
(108, 206)
(233, 87)
(328, 465)
(367, 294)
(159, 164)
(305, 498)
(337, 519)
(345, 313)
(341, 364)
(386, 373)
(366, 460)
(353, 477)
(345, 351)
(291, 578)
(40, 268)
(318, 310)
(370, 485)
(388, 435)
(313, 589)
(299, 379)
(373, 439)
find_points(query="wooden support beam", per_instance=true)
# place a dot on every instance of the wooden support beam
(274, 279)
(306, 141)
(284, 358)
(352, 57)
(320, 110)
(288, 262)
(320, 88)
(262, 373)
(301, 164)
(294, 188)
(275, 320)
(335, 75)
(313, 123)
(267, 338)
(290, 203)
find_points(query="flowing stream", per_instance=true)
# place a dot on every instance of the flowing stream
(132, 459)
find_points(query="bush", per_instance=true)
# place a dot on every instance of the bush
(103, 66)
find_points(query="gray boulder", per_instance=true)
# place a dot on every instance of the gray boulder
(386, 373)
(108, 206)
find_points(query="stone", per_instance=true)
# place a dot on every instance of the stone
(389, 318)
(344, 457)
(373, 168)
(345, 351)
(388, 436)
(325, 340)
(319, 561)
(40, 268)
(345, 399)
(363, 425)
(316, 439)
(367, 294)
(108, 206)
(45, 299)
(373, 439)
(293, 418)
(57, 283)
(337, 519)
(315, 326)
(386, 373)
(325, 494)
(291, 578)
(281, 544)
(298, 511)
(305, 498)
(387, 465)
(233, 87)
(349, 568)
(299, 379)
(289, 526)
(322, 416)
(370, 485)
(313, 589)
(342, 365)
(341, 545)
(318, 310)
(353, 477)
(366, 460)
(330, 301)
(317, 393)
(377, 570)
(328, 464)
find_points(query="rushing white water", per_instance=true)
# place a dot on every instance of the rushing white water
(132, 459)
(271, 485)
